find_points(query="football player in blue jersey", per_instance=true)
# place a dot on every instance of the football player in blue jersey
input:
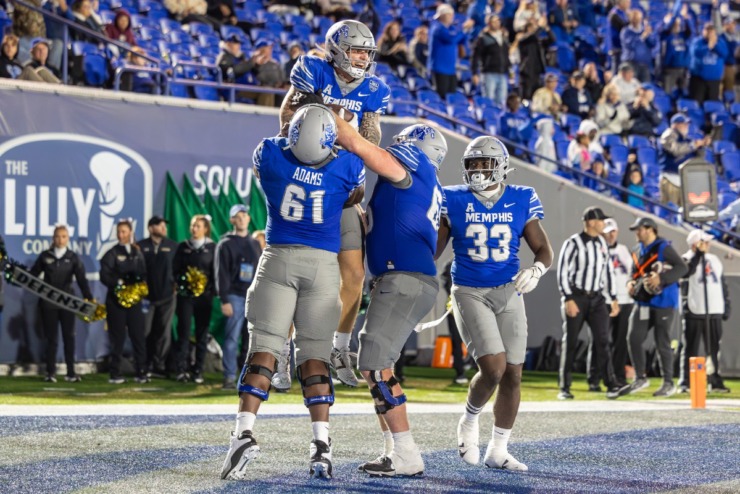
(487, 219)
(307, 181)
(403, 219)
(345, 82)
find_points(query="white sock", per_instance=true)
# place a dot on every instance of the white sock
(244, 422)
(321, 431)
(402, 440)
(500, 439)
(341, 340)
(285, 352)
(387, 442)
(472, 413)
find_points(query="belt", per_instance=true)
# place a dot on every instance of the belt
(586, 294)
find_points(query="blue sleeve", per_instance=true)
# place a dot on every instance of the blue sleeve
(379, 102)
(358, 175)
(721, 48)
(258, 156)
(625, 37)
(407, 154)
(449, 35)
(305, 76)
(536, 211)
(651, 41)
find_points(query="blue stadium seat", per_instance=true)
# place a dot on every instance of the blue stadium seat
(663, 103)
(685, 105)
(728, 96)
(177, 36)
(571, 122)
(198, 28)
(465, 129)
(108, 17)
(566, 57)
(711, 106)
(561, 150)
(441, 121)
(647, 157)
(208, 40)
(619, 153)
(456, 99)
(418, 83)
(403, 109)
(460, 111)
(636, 141)
(721, 147)
(94, 63)
(610, 140)
(167, 25)
(428, 96)
(400, 92)
(735, 109)
(206, 93)
(227, 31)
(148, 34)
(731, 164)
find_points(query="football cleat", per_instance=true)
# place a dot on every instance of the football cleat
(406, 463)
(73, 379)
(378, 460)
(341, 360)
(503, 460)
(320, 459)
(467, 441)
(243, 449)
(281, 381)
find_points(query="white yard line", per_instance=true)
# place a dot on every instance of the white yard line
(354, 408)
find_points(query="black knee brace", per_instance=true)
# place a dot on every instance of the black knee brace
(314, 381)
(254, 390)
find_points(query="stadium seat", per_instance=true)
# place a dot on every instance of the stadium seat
(94, 62)
(637, 141)
(571, 123)
(735, 109)
(619, 153)
(206, 93)
(610, 140)
(197, 28)
(402, 109)
(460, 111)
(456, 99)
(441, 121)
(686, 105)
(149, 34)
(167, 25)
(465, 128)
(711, 106)
(208, 40)
(428, 96)
(561, 150)
(721, 147)
(401, 93)
(108, 17)
(731, 164)
(177, 36)
(418, 83)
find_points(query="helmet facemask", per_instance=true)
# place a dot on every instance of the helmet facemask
(479, 178)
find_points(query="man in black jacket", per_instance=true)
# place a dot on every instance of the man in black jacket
(237, 255)
(159, 306)
(643, 112)
(491, 60)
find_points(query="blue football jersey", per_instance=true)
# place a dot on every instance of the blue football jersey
(305, 203)
(486, 240)
(315, 75)
(403, 223)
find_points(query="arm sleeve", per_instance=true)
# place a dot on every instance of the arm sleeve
(108, 276)
(726, 295)
(692, 265)
(222, 267)
(679, 266)
(37, 267)
(566, 254)
(302, 77)
(379, 104)
(82, 279)
(536, 211)
(610, 281)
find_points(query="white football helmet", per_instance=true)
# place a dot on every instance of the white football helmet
(344, 37)
(497, 163)
(428, 139)
(312, 133)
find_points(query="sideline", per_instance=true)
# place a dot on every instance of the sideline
(358, 408)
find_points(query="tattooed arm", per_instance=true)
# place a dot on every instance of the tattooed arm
(370, 127)
(294, 99)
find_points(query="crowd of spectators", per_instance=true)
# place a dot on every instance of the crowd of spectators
(617, 68)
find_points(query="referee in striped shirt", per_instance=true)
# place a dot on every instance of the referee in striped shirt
(585, 275)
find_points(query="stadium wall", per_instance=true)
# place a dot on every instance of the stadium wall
(87, 158)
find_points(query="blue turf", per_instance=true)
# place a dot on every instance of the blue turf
(625, 462)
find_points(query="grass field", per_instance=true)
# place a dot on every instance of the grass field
(423, 385)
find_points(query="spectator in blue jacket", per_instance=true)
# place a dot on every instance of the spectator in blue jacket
(637, 40)
(675, 34)
(444, 38)
(55, 31)
(478, 12)
(706, 64)
(617, 18)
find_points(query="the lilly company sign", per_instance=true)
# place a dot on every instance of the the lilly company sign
(84, 182)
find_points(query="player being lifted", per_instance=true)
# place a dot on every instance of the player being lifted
(344, 82)
(306, 182)
(403, 218)
(487, 220)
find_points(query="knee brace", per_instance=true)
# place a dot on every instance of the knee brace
(310, 401)
(382, 393)
(254, 390)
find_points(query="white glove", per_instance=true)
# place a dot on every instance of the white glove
(526, 279)
(355, 123)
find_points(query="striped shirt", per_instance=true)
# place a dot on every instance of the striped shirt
(585, 266)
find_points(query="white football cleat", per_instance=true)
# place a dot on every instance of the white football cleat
(281, 381)
(341, 360)
(320, 459)
(467, 441)
(242, 450)
(504, 461)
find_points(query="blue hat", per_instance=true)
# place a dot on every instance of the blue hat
(262, 42)
(679, 118)
(38, 41)
(646, 86)
(236, 209)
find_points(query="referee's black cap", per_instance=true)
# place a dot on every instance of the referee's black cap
(594, 213)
